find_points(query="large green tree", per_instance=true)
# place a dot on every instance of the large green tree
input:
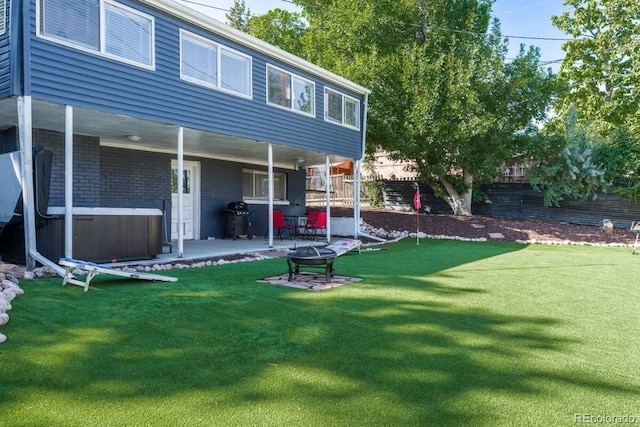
(569, 166)
(601, 67)
(602, 77)
(443, 94)
(281, 28)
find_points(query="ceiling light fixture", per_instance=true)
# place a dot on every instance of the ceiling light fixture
(134, 138)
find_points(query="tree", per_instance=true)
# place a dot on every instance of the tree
(601, 65)
(603, 79)
(281, 28)
(239, 16)
(443, 95)
(570, 168)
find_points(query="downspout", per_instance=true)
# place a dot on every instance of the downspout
(25, 132)
(19, 49)
(21, 74)
(26, 149)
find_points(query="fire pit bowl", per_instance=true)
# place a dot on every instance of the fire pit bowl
(312, 257)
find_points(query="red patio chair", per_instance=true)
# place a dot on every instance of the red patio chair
(280, 224)
(316, 224)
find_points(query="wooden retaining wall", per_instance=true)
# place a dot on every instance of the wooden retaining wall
(519, 200)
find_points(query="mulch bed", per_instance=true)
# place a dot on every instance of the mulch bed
(482, 226)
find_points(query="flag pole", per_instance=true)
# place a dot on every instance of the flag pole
(417, 227)
(417, 205)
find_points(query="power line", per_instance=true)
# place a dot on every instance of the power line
(207, 5)
(529, 6)
(405, 23)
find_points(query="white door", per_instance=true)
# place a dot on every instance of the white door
(190, 200)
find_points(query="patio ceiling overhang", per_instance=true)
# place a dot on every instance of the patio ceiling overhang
(114, 131)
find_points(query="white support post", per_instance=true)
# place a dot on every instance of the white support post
(68, 181)
(271, 191)
(327, 191)
(356, 199)
(180, 224)
(25, 130)
(358, 178)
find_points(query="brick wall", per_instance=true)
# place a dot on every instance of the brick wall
(134, 179)
(115, 177)
(86, 170)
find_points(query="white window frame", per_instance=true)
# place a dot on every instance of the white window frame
(102, 34)
(104, 30)
(253, 198)
(344, 98)
(3, 21)
(219, 71)
(292, 92)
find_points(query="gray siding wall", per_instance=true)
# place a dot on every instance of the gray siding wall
(5, 55)
(66, 75)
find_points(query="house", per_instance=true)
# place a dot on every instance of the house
(384, 167)
(154, 111)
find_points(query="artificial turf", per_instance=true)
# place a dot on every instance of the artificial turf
(441, 333)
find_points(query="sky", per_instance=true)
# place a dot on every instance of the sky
(524, 21)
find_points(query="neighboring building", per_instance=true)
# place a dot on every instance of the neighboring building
(385, 168)
(128, 91)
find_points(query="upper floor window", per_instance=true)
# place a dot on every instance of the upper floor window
(104, 26)
(341, 109)
(290, 91)
(205, 62)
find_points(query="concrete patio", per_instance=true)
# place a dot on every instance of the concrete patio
(205, 249)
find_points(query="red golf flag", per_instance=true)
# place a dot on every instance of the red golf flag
(416, 200)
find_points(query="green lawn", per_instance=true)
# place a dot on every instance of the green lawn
(441, 333)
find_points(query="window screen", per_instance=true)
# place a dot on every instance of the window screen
(235, 71)
(199, 60)
(128, 34)
(74, 21)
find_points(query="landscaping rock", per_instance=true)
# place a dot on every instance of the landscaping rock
(5, 305)
(11, 269)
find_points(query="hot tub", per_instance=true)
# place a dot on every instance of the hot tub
(103, 234)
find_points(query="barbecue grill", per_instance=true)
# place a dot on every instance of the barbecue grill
(237, 221)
